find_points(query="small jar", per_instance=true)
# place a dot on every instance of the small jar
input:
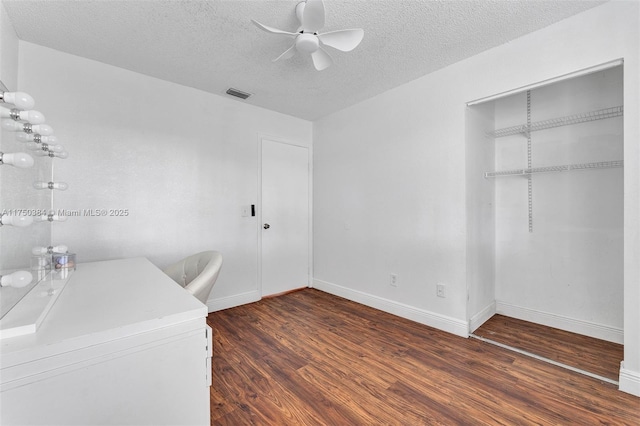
(64, 261)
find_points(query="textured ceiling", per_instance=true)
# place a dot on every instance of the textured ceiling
(212, 45)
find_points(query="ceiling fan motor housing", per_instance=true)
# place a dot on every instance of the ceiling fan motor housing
(307, 42)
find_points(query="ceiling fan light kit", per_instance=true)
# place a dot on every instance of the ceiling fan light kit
(310, 13)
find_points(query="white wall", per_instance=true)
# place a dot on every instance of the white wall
(389, 180)
(180, 161)
(480, 210)
(8, 50)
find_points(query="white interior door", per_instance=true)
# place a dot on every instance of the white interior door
(285, 217)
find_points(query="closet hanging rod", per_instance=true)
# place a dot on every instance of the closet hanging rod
(553, 169)
(584, 117)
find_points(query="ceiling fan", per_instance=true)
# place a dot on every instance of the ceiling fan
(310, 13)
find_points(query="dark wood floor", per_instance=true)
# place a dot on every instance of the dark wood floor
(586, 353)
(310, 358)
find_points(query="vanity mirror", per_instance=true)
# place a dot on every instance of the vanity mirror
(28, 149)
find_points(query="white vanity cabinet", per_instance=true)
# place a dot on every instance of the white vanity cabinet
(123, 344)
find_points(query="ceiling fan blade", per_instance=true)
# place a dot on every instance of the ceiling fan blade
(272, 30)
(345, 40)
(321, 59)
(287, 53)
(313, 16)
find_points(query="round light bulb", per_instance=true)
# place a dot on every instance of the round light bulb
(17, 159)
(55, 148)
(61, 154)
(60, 249)
(57, 218)
(25, 137)
(62, 186)
(29, 137)
(16, 126)
(19, 99)
(18, 279)
(42, 129)
(39, 251)
(33, 117)
(12, 126)
(17, 221)
(33, 146)
(41, 218)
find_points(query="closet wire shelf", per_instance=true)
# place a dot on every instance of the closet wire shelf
(584, 117)
(552, 169)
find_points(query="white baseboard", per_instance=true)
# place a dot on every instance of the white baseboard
(573, 325)
(233, 301)
(481, 317)
(441, 322)
(629, 381)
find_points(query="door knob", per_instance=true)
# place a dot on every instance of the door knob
(266, 226)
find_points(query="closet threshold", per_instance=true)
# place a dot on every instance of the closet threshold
(547, 360)
(554, 169)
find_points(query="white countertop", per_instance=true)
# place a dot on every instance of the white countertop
(105, 301)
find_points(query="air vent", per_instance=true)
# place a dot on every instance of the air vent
(238, 93)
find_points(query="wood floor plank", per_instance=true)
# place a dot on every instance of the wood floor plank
(311, 358)
(285, 398)
(586, 353)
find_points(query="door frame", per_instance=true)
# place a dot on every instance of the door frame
(259, 222)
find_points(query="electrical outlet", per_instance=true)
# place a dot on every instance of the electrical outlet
(440, 290)
(393, 280)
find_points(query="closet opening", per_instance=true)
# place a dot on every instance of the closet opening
(545, 219)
